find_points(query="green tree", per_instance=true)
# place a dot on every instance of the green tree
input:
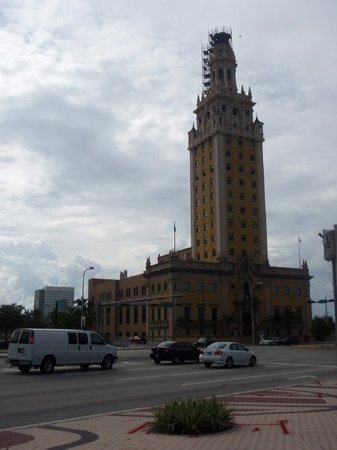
(322, 327)
(11, 317)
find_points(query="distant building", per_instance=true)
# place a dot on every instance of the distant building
(47, 298)
(223, 284)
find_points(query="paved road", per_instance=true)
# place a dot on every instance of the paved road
(136, 382)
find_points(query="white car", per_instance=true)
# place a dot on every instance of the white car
(227, 354)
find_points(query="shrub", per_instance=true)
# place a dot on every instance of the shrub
(193, 416)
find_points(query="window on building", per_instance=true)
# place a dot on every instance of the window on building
(242, 209)
(287, 290)
(214, 313)
(206, 255)
(159, 314)
(243, 238)
(229, 194)
(120, 314)
(241, 169)
(214, 286)
(128, 292)
(230, 222)
(241, 182)
(135, 314)
(143, 313)
(200, 286)
(127, 315)
(298, 291)
(187, 286)
(158, 287)
(201, 312)
(243, 224)
(135, 291)
(165, 285)
(187, 312)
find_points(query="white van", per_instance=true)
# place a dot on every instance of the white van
(47, 348)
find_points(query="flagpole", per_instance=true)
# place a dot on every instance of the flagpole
(299, 250)
(174, 237)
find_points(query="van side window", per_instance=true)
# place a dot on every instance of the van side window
(83, 338)
(72, 338)
(24, 338)
(96, 340)
(15, 336)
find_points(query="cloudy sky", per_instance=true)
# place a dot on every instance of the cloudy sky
(96, 99)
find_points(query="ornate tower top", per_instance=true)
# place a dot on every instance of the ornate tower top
(218, 61)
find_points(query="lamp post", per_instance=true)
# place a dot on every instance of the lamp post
(252, 308)
(82, 298)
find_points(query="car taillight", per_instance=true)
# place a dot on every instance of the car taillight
(31, 340)
(218, 352)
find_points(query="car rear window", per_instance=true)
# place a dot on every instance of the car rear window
(24, 338)
(166, 344)
(15, 336)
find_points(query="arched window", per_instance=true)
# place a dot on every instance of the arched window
(220, 74)
(229, 74)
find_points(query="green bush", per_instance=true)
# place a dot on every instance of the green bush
(193, 416)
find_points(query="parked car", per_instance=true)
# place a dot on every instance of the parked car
(203, 342)
(174, 351)
(227, 354)
(269, 341)
(138, 340)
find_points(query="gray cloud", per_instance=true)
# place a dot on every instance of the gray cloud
(95, 108)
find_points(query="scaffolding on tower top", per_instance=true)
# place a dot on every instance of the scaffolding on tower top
(215, 37)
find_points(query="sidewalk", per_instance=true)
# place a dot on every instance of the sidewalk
(286, 418)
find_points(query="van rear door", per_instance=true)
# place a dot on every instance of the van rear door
(20, 350)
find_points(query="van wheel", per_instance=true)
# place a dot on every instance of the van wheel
(84, 366)
(107, 362)
(47, 365)
(25, 369)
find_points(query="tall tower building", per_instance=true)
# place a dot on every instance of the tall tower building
(228, 216)
(223, 285)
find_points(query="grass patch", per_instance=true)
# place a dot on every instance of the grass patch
(193, 416)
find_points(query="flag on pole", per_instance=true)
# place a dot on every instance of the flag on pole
(299, 239)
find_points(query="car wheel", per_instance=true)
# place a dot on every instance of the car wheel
(176, 360)
(252, 361)
(47, 365)
(107, 362)
(229, 363)
(84, 366)
(25, 369)
(207, 364)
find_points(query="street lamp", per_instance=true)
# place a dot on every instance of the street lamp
(82, 299)
(252, 308)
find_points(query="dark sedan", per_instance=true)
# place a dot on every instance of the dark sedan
(174, 351)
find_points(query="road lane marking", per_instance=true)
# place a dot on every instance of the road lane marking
(267, 375)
